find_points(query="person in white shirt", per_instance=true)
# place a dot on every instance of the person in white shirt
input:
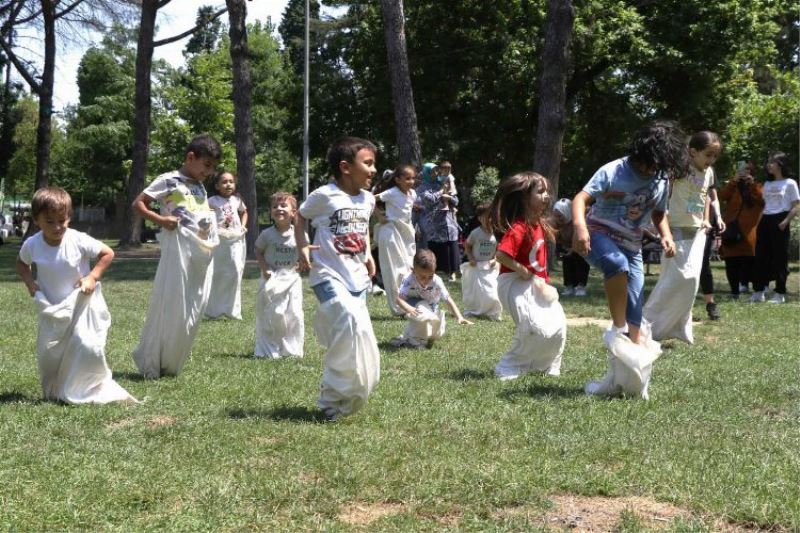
(781, 203)
(340, 276)
(73, 316)
(395, 234)
(419, 297)
(479, 274)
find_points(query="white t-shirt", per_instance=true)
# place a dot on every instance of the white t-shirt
(228, 212)
(688, 201)
(59, 268)
(779, 196)
(398, 204)
(182, 197)
(484, 244)
(279, 249)
(410, 289)
(342, 225)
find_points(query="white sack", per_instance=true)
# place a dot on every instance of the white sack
(669, 308)
(179, 297)
(352, 361)
(479, 289)
(630, 366)
(225, 298)
(541, 331)
(70, 349)
(280, 325)
(396, 249)
(426, 325)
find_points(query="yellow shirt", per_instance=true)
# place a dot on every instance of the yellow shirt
(688, 200)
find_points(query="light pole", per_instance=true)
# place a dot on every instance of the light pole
(305, 106)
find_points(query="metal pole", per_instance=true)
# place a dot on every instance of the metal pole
(306, 106)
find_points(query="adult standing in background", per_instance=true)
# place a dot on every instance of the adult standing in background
(744, 202)
(437, 221)
(781, 203)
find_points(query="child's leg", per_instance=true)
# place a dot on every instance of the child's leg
(635, 303)
(607, 256)
(617, 295)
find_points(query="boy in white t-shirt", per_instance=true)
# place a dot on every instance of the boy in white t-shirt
(419, 296)
(340, 276)
(71, 352)
(185, 269)
(280, 325)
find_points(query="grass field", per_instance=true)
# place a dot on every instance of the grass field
(236, 444)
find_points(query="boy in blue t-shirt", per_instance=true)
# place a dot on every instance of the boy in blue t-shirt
(625, 193)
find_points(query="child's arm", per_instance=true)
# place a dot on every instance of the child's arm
(661, 222)
(509, 262)
(243, 218)
(405, 306)
(713, 203)
(141, 205)
(303, 248)
(456, 313)
(370, 262)
(262, 263)
(88, 283)
(25, 272)
(581, 242)
(468, 251)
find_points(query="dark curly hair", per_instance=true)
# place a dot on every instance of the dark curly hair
(661, 145)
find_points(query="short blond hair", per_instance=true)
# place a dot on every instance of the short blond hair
(282, 196)
(51, 199)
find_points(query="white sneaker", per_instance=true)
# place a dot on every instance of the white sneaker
(568, 291)
(376, 290)
(777, 299)
(757, 296)
(743, 289)
(580, 290)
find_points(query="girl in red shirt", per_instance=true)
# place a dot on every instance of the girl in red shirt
(518, 213)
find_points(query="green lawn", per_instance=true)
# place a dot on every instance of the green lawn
(236, 444)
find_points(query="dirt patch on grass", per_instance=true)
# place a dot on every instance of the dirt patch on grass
(160, 421)
(588, 321)
(154, 422)
(597, 513)
(366, 513)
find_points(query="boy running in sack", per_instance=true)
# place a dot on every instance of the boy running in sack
(340, 276)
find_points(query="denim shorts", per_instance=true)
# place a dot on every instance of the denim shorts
(327, 290)
(612, 259)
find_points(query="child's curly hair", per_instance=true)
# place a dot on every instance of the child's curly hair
(661, 145)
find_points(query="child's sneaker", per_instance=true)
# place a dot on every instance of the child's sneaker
(743, 289)
(713, 312)
(377, 290)
(568, 291)
(757, 296)
(398, 341)
(777, 299)
(580, 290)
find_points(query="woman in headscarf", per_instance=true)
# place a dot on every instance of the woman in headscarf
(437, 221)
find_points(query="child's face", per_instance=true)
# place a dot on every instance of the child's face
(199, 168)
(424, 275)
(540, 197)
(53, 225)
(358, 174)
(405, 182)
(282, 213)
(445, 170)
(702, 159)
(226, 185)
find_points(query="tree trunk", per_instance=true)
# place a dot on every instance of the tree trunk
(552, 101)
(45, 93)
(132, 235)
(242, 127)
(405, 116)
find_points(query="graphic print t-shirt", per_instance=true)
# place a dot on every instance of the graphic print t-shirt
(182, 197)
(484, 244)
(228, 212)
(280, 249)
(435, 292)
(688, 200)
(624, 202)
(341, 222)
(527, 245)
